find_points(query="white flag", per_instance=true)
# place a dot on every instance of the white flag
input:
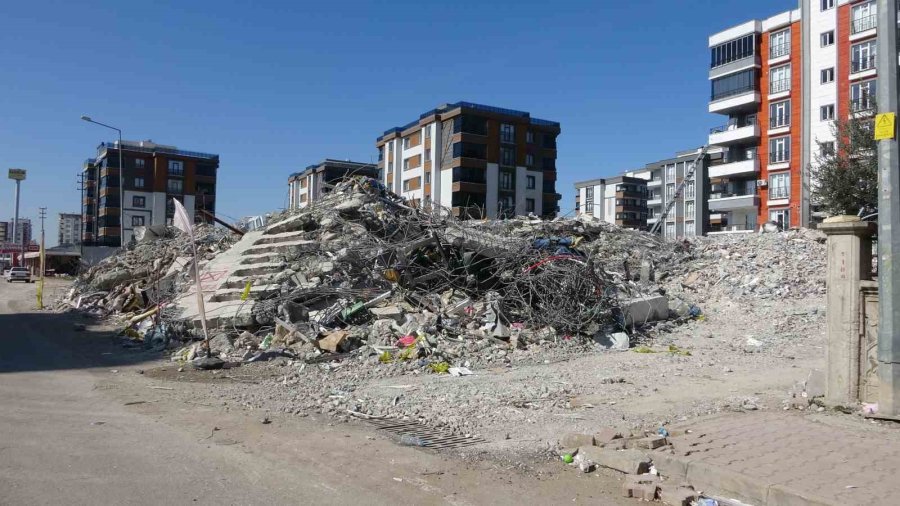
(182, 220)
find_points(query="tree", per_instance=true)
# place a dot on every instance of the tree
(845, 173)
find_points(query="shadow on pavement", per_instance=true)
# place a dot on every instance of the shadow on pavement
(44, 341)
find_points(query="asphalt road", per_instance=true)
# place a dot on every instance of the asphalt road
(81, 424)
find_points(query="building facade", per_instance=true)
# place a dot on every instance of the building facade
(476, 160)
(153, 174)
(781, 82)
(620, 200)
(69, 229)
(5, 230)
(22, 230)
(310, 184)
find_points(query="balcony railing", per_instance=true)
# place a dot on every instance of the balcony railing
(863, 24)
(733, 126)
(779, 50)
(732, 92)
(862, 64)
(779, 121)
(780, 156)
(778, 192)
(862, 104)
(780, 86)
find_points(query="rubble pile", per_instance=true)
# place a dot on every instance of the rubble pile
(752, 266)
(144, 275)
(369, 275)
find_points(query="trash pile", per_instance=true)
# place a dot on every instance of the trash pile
(376, 277)
(141, 280)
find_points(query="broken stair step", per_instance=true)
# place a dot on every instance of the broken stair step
(236, 293)
(261, 258)
(303, 244)
(282, 237)
(258, 269)
(241, 281)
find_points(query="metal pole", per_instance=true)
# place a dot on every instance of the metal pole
(121, 194)
(888, 218)
(16, 223)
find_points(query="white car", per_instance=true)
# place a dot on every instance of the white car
(18, 274)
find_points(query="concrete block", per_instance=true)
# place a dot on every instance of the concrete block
(388, 312)
(670, 466)
(576, 440)
(671, 495)
(643, 487)
(615, 444)
(626, 461)
(614, 341)
(645, 310)
(332, 342)
(716, 479)
(606, 435)
(651, 443)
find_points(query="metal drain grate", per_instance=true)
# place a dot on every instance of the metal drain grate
(416, 434)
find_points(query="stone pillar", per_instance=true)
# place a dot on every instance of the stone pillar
(849, 262)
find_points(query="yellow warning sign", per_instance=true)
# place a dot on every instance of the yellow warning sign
(884, 126)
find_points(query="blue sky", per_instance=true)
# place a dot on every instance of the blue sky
(273, 86)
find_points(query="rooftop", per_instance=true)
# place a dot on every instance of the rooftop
(329, 162)
(470, 105)
(151, 147)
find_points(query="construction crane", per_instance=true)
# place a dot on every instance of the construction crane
(689, 176)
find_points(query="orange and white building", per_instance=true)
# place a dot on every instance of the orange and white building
(781, 82)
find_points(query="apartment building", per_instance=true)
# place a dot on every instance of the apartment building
(152, 175)
(781, 82)
(23, 231)
(476, 160)
(620, 200)
(689, 216)
(69, 229)
(314, 181)
(5, 230)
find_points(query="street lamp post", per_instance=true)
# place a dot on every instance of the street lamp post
(121, 175)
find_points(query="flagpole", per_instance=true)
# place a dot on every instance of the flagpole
(183, 223)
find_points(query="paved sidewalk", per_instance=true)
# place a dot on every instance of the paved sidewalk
(781, 458)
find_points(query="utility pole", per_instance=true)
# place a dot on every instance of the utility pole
(40, 290)
(888, 218)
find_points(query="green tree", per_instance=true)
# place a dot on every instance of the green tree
(845, 173)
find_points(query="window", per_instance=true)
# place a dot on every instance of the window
(780, 79)
(506, 179)
(469, 150)
(427, 131)
(826, 112)
(406, 185)
(529, 205)
(670, 191)
(531, 182)
(734, 84)
(827, 4)
(589, 200)
(826, 148)
(428, 177)
(138, 202)
(427, 155)
(827, 38)
(862, 96)
(529, 160)
(670, 231)
(733, 50)
(507, 133)
(780, 44)
(779, 186)
(864, 17)
(406, 164)
(670, 173)
(390, 166)
(138, 182)
(780, 114)
(175, 186)
(508, 157)
(827, 75)
(689, 229)
(139, 163)
(689, 190)
(137, 221)
(862, 56)
(780, 150)
(529, 137)
(176, 168)
(406, 143)
(782, 217)
(689, 209)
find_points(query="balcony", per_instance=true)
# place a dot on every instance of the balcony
(863, 24)
(779, 192)
(728, 202)
(744, 98)
(779, 50)
(779, 86)
(654, 182)
(862, 64)
(655, 201)
(727, 135)
(864, 104)
(738, 168)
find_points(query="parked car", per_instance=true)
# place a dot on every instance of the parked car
(18, 274)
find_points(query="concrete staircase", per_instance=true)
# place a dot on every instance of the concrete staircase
(258, 258)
